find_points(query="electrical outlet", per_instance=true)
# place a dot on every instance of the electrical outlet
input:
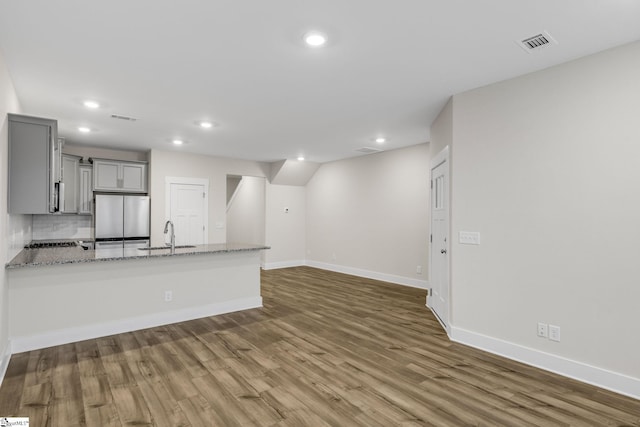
(168, 296)
(543, 330)
(419, 269)
(554, 333)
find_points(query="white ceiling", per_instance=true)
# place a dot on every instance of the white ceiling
(388, 68)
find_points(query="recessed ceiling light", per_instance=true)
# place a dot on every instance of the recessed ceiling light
(84, 129)
(178, 142)
(381, 140)
(301, 158)
(315, 39)
(205, 124)
(91, 104)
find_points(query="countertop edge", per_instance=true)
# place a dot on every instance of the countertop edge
(143, 255)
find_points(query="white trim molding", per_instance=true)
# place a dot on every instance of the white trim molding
(399, 280)
(283, 264)
(4, 361)
(613, 381)
(75, 334)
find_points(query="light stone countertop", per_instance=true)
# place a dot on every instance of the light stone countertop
(72, 255)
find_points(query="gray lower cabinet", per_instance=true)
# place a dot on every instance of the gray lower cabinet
(119, 176)
(70, 179)
(32, 142)
(85, 193)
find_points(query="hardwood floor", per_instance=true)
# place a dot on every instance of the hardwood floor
(327, 349)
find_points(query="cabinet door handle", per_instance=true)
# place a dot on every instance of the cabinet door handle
(61, 200)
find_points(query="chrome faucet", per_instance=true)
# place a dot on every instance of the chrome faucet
(173, 235)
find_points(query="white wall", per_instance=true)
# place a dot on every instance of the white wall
(442, 130)
(15, 230)
(292, 172)
(232, 184)
(371, 215)
(19, 232)
(86, 152)
(246, 212)
(546, 168)
(216, 169)
(285, 231)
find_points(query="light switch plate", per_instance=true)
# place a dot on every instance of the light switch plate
(469, 237)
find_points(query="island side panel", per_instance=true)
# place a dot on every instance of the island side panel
(52, 305)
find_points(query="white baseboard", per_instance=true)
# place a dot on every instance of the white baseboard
(283, 264)
(4, 361)
(616, 382)
(399, 280)
(65, 336)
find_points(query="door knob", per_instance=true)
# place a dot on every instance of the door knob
(443, 251)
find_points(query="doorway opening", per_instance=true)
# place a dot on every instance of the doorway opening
(246, 209)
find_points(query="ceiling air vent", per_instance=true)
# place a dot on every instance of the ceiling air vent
(537, 42)
(119, 117)
(368, 150)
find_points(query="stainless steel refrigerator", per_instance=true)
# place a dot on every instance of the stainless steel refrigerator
(122, 221)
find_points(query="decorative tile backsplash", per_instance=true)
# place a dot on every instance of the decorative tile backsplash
(62, 227)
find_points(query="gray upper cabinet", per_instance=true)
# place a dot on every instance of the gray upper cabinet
(70, 182)
(119, 176)
(32, 142)
(134, 177)
(85, 190)
(106, 175)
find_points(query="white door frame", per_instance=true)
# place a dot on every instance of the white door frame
(169, 180)
(439, 159)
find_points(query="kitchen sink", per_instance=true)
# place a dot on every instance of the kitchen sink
(155, 248)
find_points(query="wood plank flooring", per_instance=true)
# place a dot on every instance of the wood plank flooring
(327, 349)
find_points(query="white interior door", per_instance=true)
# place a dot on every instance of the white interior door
(187, 211)
(438, 301)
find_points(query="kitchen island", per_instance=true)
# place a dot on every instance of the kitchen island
(64, 295)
